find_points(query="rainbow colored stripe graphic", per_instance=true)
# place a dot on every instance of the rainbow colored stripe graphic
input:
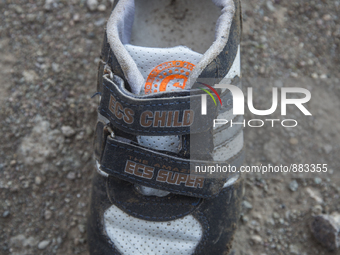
(209, 93)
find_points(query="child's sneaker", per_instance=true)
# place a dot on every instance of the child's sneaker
(150, 132)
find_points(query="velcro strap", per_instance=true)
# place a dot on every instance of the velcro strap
(161, 171)
(159, 114)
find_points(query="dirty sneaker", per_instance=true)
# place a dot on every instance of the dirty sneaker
(152, 131)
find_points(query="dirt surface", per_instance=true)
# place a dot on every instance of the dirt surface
(48, 61)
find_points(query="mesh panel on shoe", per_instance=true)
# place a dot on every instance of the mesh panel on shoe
(136, 236)
(163, 143)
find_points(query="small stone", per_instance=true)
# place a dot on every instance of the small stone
(31, 242)
(49, 4)
(336, 217)
(319, 22)
(263, 38)
(76, 241)
(302, 64)
(5, 214)
(81, 228)
(323, 76)
(55, 67)
(310, 62)
(293, 249)
(48, 215)
(315, 76)
(37, 180)
(293, 141)
(257, 216)
(67, 131)
(86, 157)
(59, 240)
(31, 17)
(89, 131)
(262, 69)
(80, 136)
(256, 239)
(29, 75)
(326, 231)
(17, 240)
(316, 210)
(244, 218)
(276, 215)
(100, 22)
(271, 221)
(327, 17)
(92, 4)
(43, 244)
(270, 6)
(12, 163)
(76, 17)
(317, 180)
(294, 75)
(18, 9)
(328, 148)
(71, 176)
(313, 194)
(102, 8)
(91, 35)
(246, 205)
(293, 185)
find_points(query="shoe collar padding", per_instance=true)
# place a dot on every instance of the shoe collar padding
(119, 28)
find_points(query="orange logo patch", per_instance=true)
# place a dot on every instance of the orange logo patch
(168, 75)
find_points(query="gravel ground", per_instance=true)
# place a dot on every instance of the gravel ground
(48, 60)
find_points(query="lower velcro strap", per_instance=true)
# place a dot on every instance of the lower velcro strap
(161, 171)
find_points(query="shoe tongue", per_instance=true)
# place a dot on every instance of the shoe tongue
(163, 69)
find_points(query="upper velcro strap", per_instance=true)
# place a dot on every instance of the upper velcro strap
(161, 171)
(159, 114)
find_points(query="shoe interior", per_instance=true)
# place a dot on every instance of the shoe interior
(170, 23)
(165, 24)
